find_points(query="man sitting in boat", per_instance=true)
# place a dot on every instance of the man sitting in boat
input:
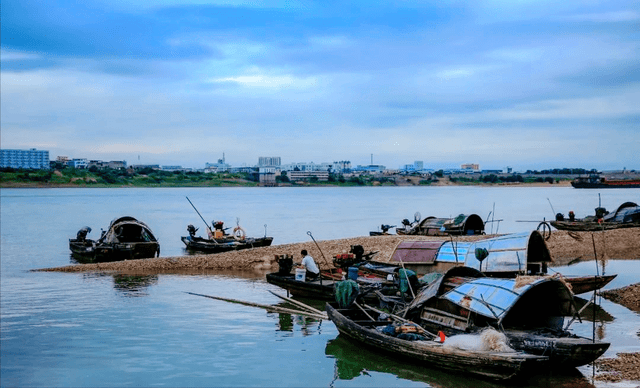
(309, 265)
(218, 230)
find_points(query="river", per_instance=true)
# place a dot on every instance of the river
(105, 330)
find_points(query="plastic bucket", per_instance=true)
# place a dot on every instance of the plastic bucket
(300, 274)
(353, 273)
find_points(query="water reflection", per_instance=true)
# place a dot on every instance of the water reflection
(134, 285)
(353, 361)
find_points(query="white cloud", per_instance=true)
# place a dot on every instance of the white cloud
(12, 55)
(265, 81)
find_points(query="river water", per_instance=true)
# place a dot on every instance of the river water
(99, 330)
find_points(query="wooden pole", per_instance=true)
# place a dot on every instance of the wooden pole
(300, 304)
(267, 307)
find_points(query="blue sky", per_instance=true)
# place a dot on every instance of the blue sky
(527, 84)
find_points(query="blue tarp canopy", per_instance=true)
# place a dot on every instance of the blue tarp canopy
(495, 298)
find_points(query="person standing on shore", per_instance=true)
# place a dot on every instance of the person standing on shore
(309, 265)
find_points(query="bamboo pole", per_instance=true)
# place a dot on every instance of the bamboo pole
(266, 307)
(299, 304)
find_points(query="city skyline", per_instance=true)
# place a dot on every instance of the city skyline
(531, 85)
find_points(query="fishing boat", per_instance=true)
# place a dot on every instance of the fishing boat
(529, 310)
(369, 329)
(348, 265)
(219, 240)
(462, 225)
(626, 215)
(199, 244)
(595, 181)
(505, 256)
(126, 238)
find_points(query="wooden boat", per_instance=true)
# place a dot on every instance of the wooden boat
(322, 289)
(354, 324)
(126, 238)
(200, 244)
(584, 284)
(626, 215)
(219, 241)
(463, 224)
(529, 310)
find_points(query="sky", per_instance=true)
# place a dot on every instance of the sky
(526, 84)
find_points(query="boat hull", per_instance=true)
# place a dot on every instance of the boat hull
(199, 244)
(90, 252)
(308, 289)
(592, 226)
(583, 284)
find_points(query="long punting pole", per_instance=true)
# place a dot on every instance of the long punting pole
(202, 218)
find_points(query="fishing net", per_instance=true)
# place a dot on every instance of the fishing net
(346, 293)
(488, 340)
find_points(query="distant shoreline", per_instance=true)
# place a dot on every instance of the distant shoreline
(24, 185)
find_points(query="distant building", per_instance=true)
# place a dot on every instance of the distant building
(79, 163)
(294, 176)
(306, 167)
(342, 166)
(373, 168)
(117, 164)
(267, 176)
(220, 166)
(269, 161)
(419, 165)
(470, 166)
(31, 159)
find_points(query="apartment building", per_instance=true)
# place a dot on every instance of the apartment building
(31, 159)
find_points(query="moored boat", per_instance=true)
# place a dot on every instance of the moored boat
(529, 310)
(219, 241)
(368, 329)
(126, 238)
(626, 215)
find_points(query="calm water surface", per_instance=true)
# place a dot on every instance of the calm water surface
(98, 330)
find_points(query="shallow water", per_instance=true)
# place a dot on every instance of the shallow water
(62, 329)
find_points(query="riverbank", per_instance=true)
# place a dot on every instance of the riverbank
(564, 247)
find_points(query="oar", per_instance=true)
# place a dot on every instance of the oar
(267, 307)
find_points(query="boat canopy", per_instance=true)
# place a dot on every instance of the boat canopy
(511, 253)
(416, 252)
(463, 224)
(128, 229)
(627, 212)
(514, 299)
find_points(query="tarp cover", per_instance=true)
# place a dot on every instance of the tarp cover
(494, 297)
(509, 253)
(416, 252)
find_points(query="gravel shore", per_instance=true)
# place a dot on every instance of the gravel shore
(564, 247)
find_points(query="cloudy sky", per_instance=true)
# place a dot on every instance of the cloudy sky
(527, 84)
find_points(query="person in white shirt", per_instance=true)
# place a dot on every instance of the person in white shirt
(309, 265)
